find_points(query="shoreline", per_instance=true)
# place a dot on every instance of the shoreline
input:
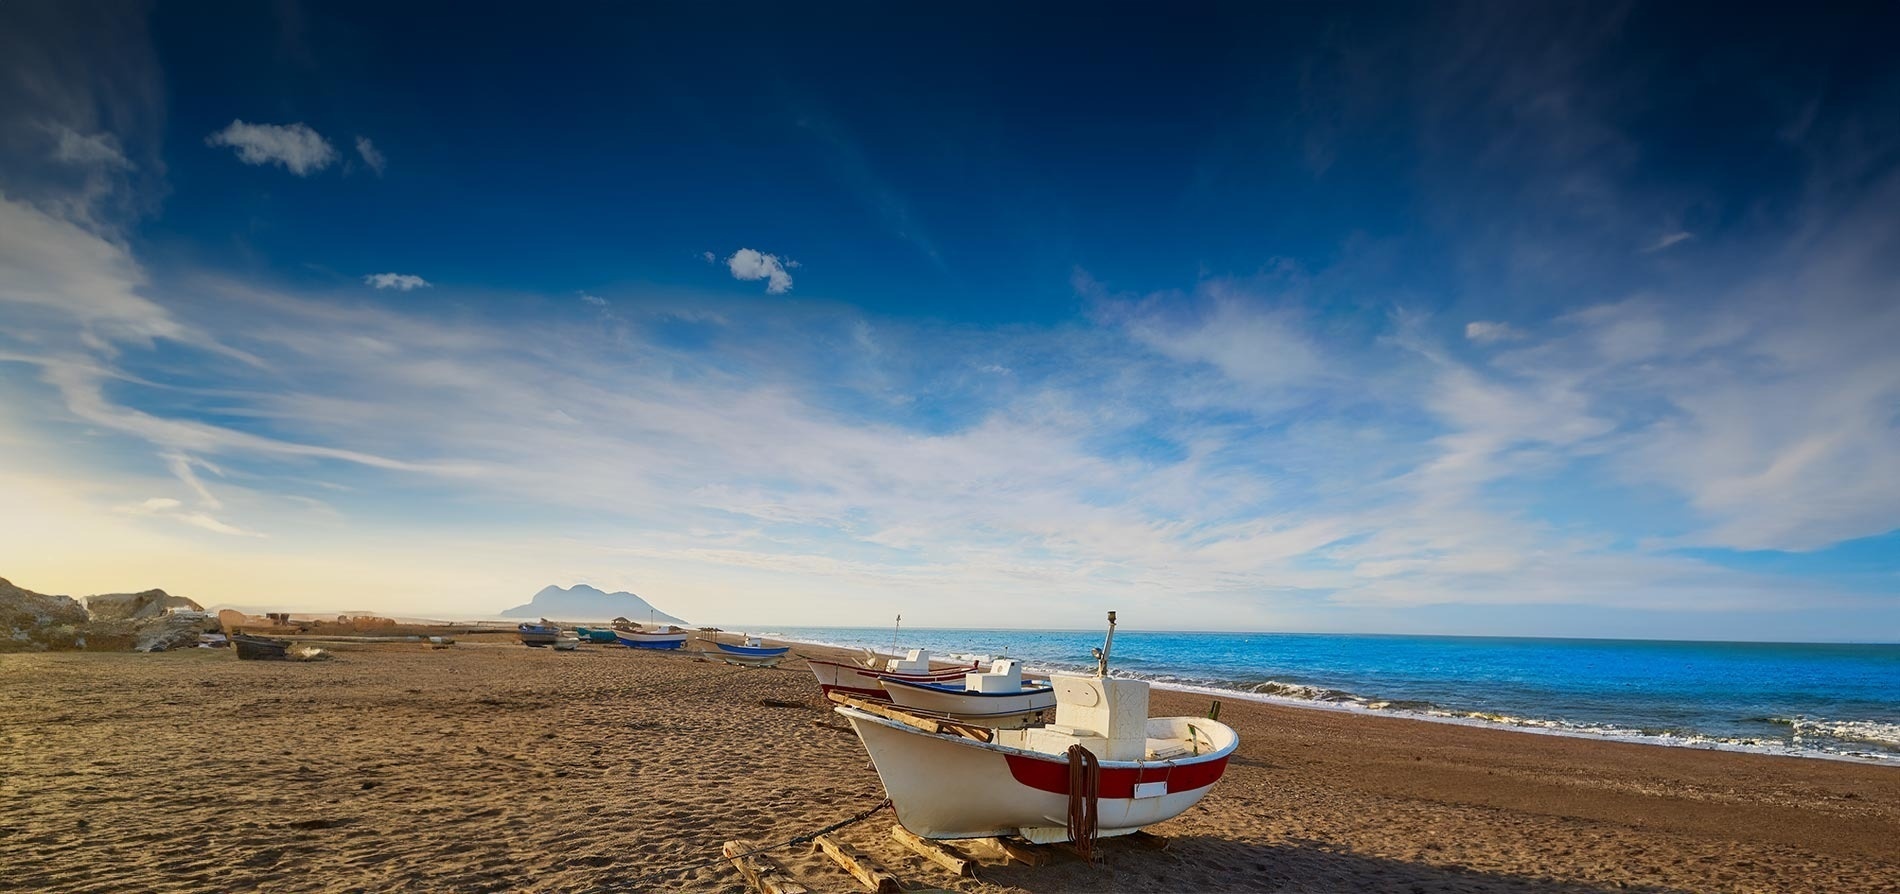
(494, 767)
(1531, 725)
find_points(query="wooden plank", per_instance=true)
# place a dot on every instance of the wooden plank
(854, 861)
(760, 871)
(925, 722)
(934, 852)
(1020, 851)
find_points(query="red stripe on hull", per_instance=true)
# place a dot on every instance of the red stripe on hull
(1053, 776)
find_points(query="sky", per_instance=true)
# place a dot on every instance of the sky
(1490, 319)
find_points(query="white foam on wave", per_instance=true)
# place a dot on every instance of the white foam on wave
(1873, 732)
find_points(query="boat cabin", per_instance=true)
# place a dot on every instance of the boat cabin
(1006, 675)
(1106, 715)
(917, 662)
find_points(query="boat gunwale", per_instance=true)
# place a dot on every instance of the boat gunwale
(946, 690)
(855, 714)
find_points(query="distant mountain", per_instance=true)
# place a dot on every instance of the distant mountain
(584, 603)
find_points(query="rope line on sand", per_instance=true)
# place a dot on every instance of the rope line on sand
(623, 884)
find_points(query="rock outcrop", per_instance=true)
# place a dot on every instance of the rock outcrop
(152, 621)
(32, 622)
(136, 606)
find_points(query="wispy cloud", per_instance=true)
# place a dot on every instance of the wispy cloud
(1669, 239)
(747, 264)
(297, 148)
(401, 282)
(371, 155)
(100, 149)
(1486, 332)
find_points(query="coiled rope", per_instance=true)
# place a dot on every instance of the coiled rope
(624, 884)
(1085, 780)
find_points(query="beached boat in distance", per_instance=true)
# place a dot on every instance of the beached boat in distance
(754, 647)
(664, 637)
(260, 648)
(864, 679)
(594, 635)
(948, 780)
(1000, 698)
(538, 634)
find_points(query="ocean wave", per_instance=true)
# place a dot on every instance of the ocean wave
(1872, 732)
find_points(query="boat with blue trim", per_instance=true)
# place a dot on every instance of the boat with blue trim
(1000, 698)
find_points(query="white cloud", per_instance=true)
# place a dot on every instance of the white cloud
(401, 282)
(1486, 332)
(747, 264)
(1669, 239)
(299, 149)
(594, 300)
(709, 257)
(166, 507)
(55, 269)
(98, 150)
(371, 155)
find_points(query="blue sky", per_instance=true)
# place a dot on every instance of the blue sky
(1459, 319)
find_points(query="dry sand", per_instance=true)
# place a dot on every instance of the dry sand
(493, 767)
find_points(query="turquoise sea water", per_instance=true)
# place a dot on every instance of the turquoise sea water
(1822, 700)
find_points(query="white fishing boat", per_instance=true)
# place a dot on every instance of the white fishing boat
(948, 780)
(663, 637)
(1000, 698)
(864, 678)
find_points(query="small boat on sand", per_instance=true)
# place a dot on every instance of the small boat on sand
(665, 637)
(594, 635)
(260, 648)
(1000, 698)
(865, 679)
(754, 647)
(538, 634)
(753, 654)
(1103, 768)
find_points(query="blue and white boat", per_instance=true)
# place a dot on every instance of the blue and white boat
(754, 647)
(1000, 698)
(753, 654)
(666, 637)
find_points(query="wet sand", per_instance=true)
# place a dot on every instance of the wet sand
(492, 767)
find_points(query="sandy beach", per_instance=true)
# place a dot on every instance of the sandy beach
(492, 767)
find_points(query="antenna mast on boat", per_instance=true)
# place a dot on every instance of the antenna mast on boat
(1101, 654)
(900, 623)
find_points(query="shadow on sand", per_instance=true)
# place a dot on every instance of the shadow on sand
(1200, 863)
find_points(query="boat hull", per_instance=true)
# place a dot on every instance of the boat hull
(746, 660)
(989, 708)
(650, 640)
(260, 648)
(948, 787)
(753, 651)
(864, 682)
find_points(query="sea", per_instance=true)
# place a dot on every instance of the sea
(1839, 701)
